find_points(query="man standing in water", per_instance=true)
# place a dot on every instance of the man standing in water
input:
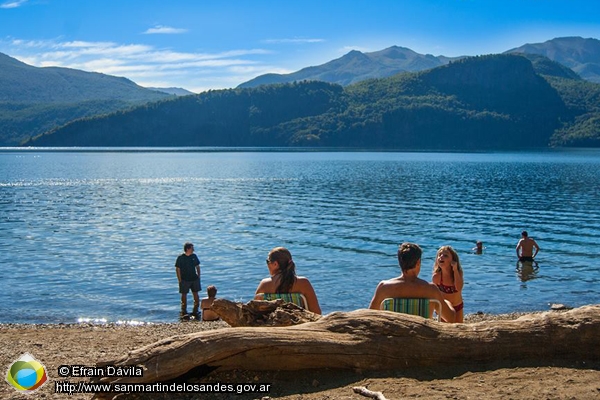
(188, 275)
(526, 246)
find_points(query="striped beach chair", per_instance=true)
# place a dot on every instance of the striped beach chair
(421, 307)
(296, 298)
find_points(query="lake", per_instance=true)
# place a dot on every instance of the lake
(93, 235)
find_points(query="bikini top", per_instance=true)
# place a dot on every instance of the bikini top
(446, 289)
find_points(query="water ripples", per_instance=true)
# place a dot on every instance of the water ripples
(95, 235)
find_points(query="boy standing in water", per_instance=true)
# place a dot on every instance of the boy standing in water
(188, 275)
(526, 245)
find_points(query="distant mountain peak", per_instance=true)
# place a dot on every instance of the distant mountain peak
(34, 100)
(582, 55)
(6, 60)
(172, 90)
(355, 66)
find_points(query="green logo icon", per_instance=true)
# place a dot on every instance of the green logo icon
(26, 374)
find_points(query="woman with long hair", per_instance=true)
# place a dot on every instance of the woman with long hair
(283, 279)
(448, 276)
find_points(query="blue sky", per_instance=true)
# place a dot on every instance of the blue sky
(205, 44)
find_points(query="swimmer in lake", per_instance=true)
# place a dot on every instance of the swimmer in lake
(478, 249)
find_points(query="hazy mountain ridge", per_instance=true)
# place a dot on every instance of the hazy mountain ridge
(172, 90)
(23, 83)
(579, 54)
(356, 66)
(489, 102)
(34, 100)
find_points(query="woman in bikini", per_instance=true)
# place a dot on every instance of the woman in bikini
(448, 276)
(283, 279)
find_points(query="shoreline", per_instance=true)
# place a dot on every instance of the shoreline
(468, 319)
(85, 344)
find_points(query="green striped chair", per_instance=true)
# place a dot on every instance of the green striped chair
(296, 298)
(420, 307)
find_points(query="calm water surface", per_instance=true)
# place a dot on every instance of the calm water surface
(94, 235)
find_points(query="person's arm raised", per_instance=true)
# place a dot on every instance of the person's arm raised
(458, 277)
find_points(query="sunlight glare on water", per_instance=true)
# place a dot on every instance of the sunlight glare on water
(94, 235)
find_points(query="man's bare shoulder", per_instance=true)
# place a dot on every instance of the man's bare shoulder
(432, 287)
(398, 287)
(398, 281)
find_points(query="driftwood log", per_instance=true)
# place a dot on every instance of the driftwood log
(372, 340)
(262, 313)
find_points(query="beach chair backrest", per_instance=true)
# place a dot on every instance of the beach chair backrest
(411, 306)
(296, 298)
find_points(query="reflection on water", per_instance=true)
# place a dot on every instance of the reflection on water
(527, 270)
(95, 234)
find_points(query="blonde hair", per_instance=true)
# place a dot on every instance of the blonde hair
(437, 268)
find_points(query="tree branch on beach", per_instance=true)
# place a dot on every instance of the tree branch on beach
(371, 340)
(262, 313)
(363, 391)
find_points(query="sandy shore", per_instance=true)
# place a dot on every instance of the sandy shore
(83, 344)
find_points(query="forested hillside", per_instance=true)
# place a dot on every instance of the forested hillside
(489, 102)
(214, 118)
(34, 100)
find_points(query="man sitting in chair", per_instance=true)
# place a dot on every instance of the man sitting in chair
(409, 285)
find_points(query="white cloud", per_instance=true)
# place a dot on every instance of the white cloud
(160, 29)
(258, 70)
(144, 64)
(235, 53)
(293, 41)
(13, 4)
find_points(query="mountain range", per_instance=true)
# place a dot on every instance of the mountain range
(357, 66)
(579, 54)
(34, 100)
(38, 100)
(22, 83)
(506, 101)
